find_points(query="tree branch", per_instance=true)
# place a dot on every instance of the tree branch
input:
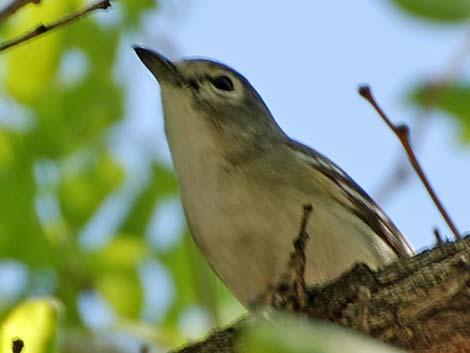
(14, 6)
(420, 304)
(403, 134)
(41, 29)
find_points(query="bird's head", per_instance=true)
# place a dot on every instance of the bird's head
(211, 91)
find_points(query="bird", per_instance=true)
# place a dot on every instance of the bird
(243, 181)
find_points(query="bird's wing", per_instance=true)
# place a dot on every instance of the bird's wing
(355, 199)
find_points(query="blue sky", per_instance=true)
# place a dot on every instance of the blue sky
(306, 59)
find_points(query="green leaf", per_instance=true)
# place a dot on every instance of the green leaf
(453, 100)
(437, 10)
(115, 273)
(73, 114)
(36, 323)
(123, 253)
(38, 58)
(162, 183)
(288, 334)
(123, 290)
(18, 189)
(83, 191)
(193, 279)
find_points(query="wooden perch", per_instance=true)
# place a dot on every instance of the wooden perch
(420, 304)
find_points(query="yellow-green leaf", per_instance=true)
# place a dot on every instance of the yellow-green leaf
(30, 67)
(83, 191)
(123, 290)
(35, 322)
(124, 252)
(115, 273)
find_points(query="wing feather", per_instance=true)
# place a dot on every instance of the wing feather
(356, 199)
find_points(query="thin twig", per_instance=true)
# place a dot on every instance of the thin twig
(401, 171)
(14, 6)
(438, 236)
(298, 258)
(448, 75)
(41, 29)
(402, 132)
(290, 293)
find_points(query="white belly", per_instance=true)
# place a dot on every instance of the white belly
(246, 231)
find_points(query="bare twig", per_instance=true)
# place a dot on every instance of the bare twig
(438, 236)
(14, 6)
(41, 29)
(297, 260)
(401, 172)
(402, 132)
(291, 291)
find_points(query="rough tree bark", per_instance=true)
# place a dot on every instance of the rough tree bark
(420, 304)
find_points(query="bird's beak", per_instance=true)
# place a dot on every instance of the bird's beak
(162, 68)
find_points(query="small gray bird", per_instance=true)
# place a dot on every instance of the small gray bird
(243, 182)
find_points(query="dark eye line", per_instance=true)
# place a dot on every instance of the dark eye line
(192, 82)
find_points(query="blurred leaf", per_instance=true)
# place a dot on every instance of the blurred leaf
(289, 334)
(35, 322)
(124, 252)
(116, 277)
(17, 207)
(37, 58)
(82, 192)
(68, 84)
(6, 151)
(453, 100)
(193, 279)
(77, 113)
(70, 116)
(162, 183)
(123, 290)
(437, 10)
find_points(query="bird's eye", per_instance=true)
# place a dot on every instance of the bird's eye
(223, 83)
